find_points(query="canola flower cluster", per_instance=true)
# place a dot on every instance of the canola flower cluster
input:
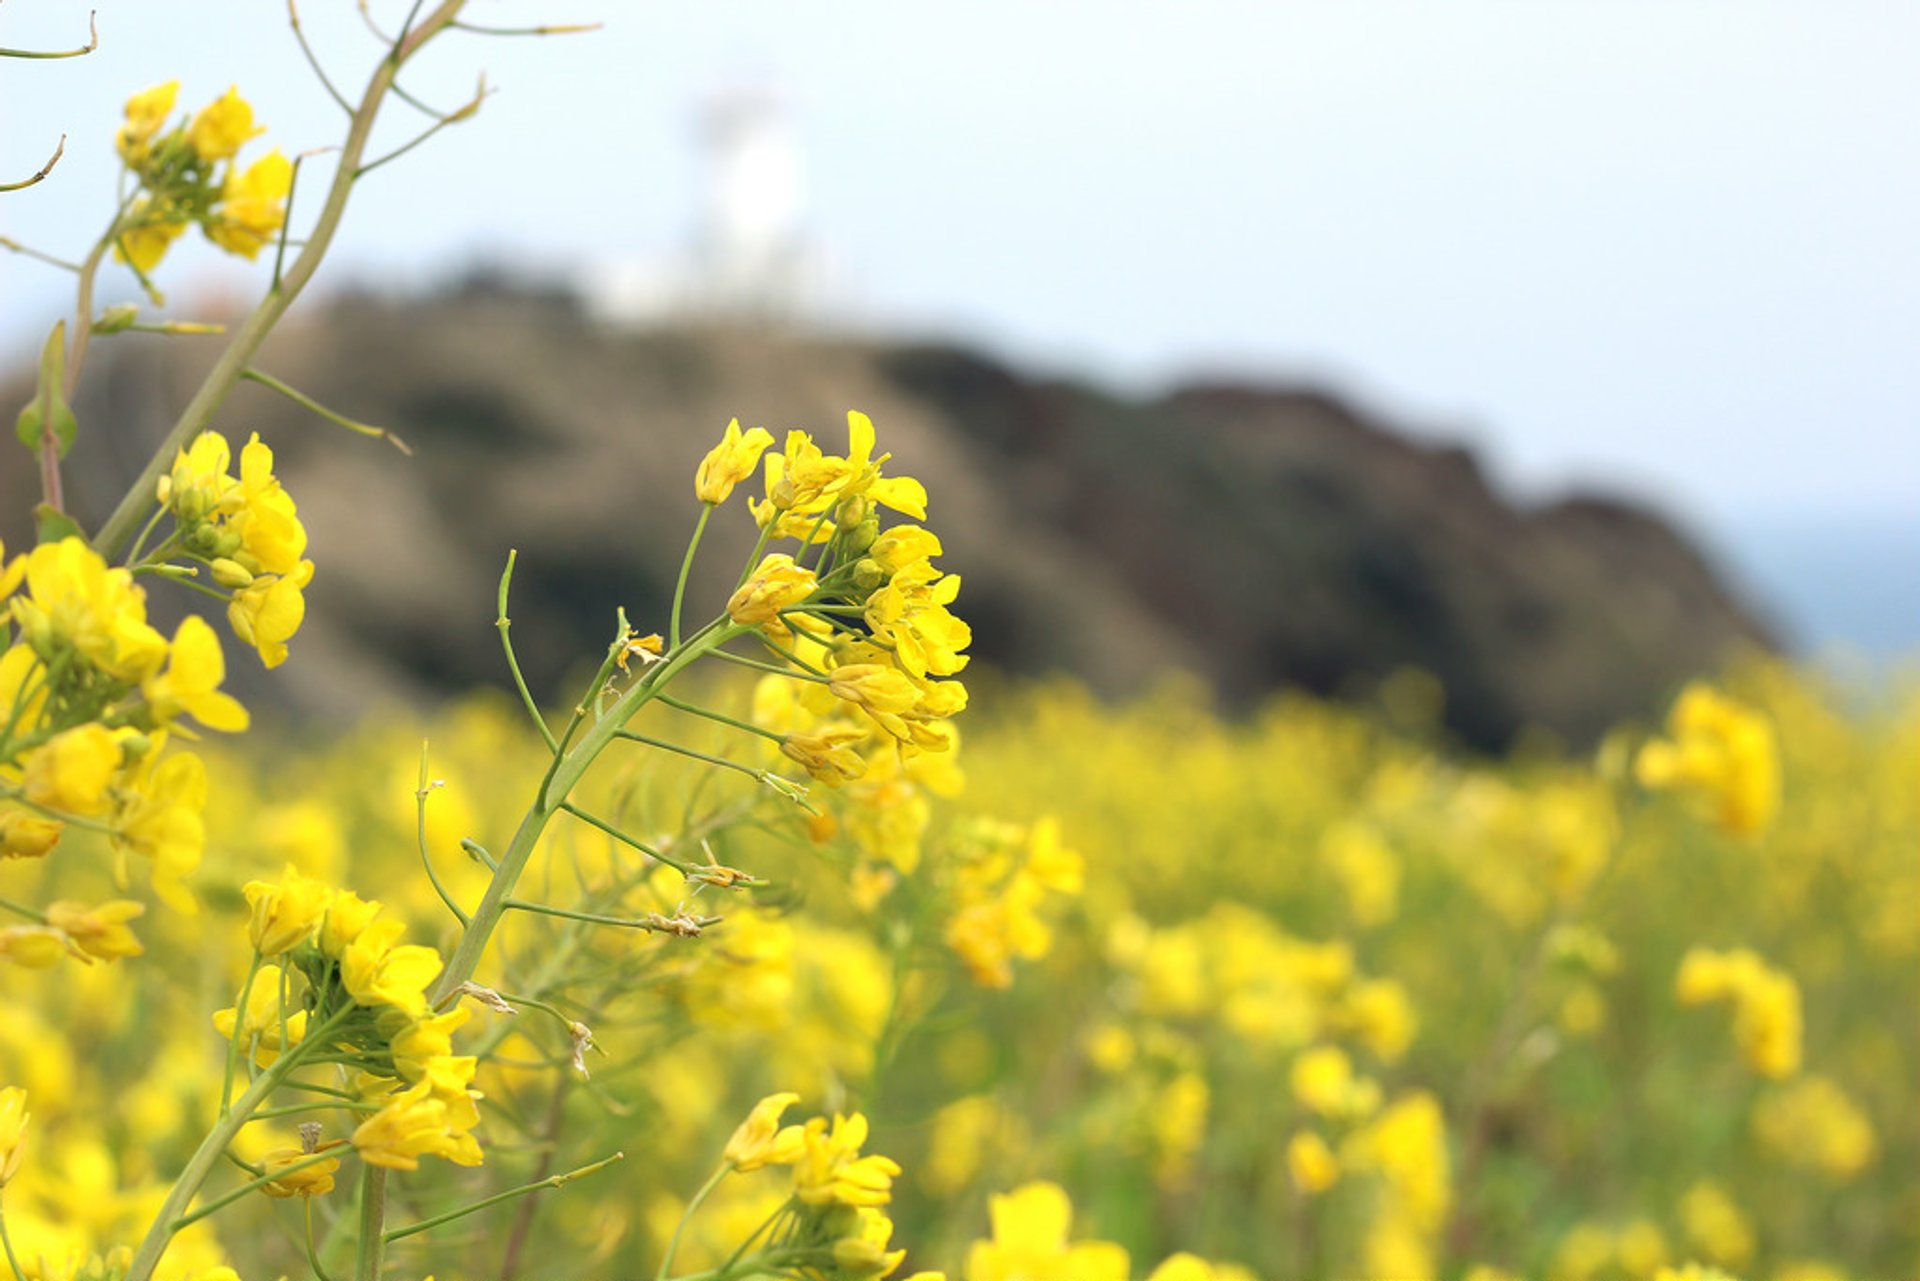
(186, 173)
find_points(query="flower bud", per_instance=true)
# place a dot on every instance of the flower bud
(117, 319)
(862, 536)
(868, 573)
(231, 573)
(851, 512)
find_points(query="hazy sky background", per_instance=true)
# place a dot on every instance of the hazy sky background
(1666, 246)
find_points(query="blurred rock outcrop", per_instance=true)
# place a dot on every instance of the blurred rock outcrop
(1255, 536)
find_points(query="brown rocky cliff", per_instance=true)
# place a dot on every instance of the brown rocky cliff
(1255, 536)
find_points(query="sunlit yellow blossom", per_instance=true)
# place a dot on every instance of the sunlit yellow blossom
(70, 773)
(378, 970)
(1029, 1242)
(147, 237)
(13, 1131)
(863, 1251)
(347, 917)
(1812, 1123)
(24, 834)
(1715, 1226)
(190, 685)
(730, 462)
(413, 1124)
(263, 1018)
(1767, 1020)
(272, 539)
(828, 755)
(1311, 1164)
(147, 113)
(161, 819)
(776, 585)
(420, 1043)
(1721, 752)
(33, 947)
(831, 1171)
(283, 916)
(100, 932)
(308, 1180)
(221, 127)
(253, 206)
(269, 610)
(73, 598)
(761, 1140)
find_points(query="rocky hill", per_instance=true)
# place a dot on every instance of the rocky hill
(1256, 536)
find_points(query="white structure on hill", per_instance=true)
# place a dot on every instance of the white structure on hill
(750, 259)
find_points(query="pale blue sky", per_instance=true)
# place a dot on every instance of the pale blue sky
(1663, 244)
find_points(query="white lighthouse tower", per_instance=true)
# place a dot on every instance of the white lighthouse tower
(750, 258)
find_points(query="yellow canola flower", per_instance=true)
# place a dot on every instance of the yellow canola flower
(161, 818)
(730, 462)
(100, 932)
(283, 916)
(262, 1019)
(1720, 752)
(272, 539)
(190, 685)
(33, 947)
(1767, 1017)
(268, 611)
(1812, 1123)
(1311, 1164)
(418, 1048)
(1029, 1243)
(776, 585)
(71, 772)
(253, 206)
(347, 917)
(1191, 1267)
(831, 1171)
(1715, 1225)
(147, 237)
(24, 834)
(146, 113)
(828, 755)
(73, 598)
(221, 127)
(902, 493)
(761, 1140)
(413, 1124)
(307, 1181)
(378, 970)
(863, 1252)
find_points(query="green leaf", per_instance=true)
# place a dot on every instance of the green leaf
(49, 403)
(55, 524)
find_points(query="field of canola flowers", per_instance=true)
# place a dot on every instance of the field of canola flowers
(749, 963)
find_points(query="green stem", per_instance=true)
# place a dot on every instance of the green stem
(313, 406)
(373, 1218)
(552, 1181)
(686, 567)
(513, 664)
(146, 531)
(771, 669)
(21, 909)
(239, 1024)
(719, 761)
(226, 1199)
(420, 837)
(560, 782)
(201, 1163)
(673, 1245)
(692, 709)
(592, 918)
(618, 835)
(6, 1243)
(313, 1255)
